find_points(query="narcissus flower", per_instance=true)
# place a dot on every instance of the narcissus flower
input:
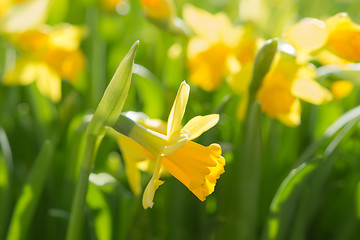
(282, 86)
(286, 83)
(47, 55)
(196, 166)
(338, 34)
(217, 48)
(161, 10)
(335, 42)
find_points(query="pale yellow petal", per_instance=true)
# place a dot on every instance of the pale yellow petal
(196, 46)
(293, 118)
(24, 16)
(178, 110)
(204, 24)
(49, 83)
(133, 176)
(340, 20)
(325, 57)
(239, 82)
(66, 36)
(199, 20)
(311, 91)
(308, 35)
(24, 72)
(197, 125)
(133, 153)
(149, 193)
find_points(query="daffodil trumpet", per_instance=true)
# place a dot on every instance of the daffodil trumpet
(196, 166)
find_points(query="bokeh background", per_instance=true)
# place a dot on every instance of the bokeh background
(280, 182)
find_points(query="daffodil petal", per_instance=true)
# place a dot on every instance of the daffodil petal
(197, 125)
(293, 118)
(239, 82)
(133, 176)
(308, 35)
(205, 24)
(49, 83)
(25, 15)
(311, 91)
(24, 72)
(66, 36)
(133, 153)
(149, 193)
(175, 143)
(178, 110)
(344, 37)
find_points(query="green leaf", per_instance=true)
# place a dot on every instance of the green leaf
(113, 100)
(30, 194)
(284, 202)
(6, 173)
(333, 72)
(262, 64)
(102, 214)
(249, 175)
(352, 115)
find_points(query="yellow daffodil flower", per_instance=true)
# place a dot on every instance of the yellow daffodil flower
(338, 34)
(335, 41)
(158, 9)
(217, 48)
(48, 54)
(196, 166)
(286, 83)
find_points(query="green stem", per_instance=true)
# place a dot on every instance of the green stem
(78, 205)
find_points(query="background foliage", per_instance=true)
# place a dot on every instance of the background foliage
(303, 185)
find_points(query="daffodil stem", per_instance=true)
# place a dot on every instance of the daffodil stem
(78, 205)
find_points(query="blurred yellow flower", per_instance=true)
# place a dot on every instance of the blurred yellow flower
(344, 37)
(158, 9)
(338, 34)
(341, 89)
(47, 55)
(335, 41)
(286, 83)
(196, 166)
(217, 48)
